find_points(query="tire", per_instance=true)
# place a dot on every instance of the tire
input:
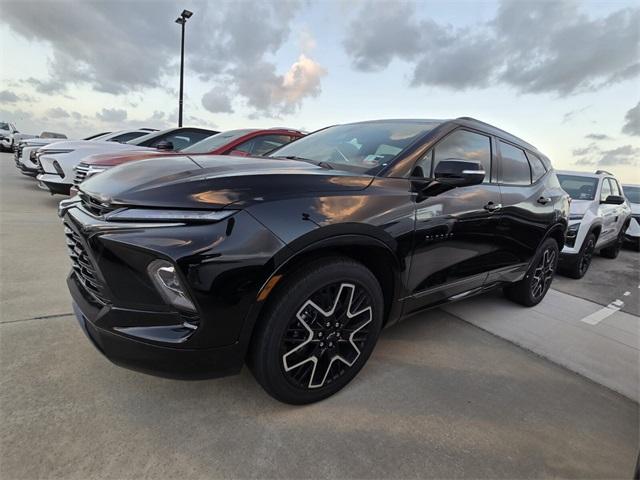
(613, 250)
(534, 286)
(579, 267)
(308, 318)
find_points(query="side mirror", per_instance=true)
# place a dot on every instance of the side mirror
(613, 200)
(164, 145)
(454, 172)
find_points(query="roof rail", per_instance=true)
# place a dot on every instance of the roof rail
(603, 172)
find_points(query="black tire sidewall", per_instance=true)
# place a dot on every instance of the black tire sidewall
(290, 297)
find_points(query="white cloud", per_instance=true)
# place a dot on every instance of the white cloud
(632, 121)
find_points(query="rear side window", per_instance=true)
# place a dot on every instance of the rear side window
(606, 190)
(464, 145)
(537, 167)
(515, 166)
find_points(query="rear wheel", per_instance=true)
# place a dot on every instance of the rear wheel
(579, 266)
(534, 286)
(318, 331)
(613, 250)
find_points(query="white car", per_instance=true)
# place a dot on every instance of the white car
(10, 136)
(632, 235)
(598, 219)
(57, 162)
(25, 153)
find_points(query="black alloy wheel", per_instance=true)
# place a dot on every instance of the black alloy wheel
(318, 330)
(534, 286)
(587, 255)
(327, 335)
(613, 250)
(543, 273)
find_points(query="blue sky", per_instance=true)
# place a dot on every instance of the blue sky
(562, 75)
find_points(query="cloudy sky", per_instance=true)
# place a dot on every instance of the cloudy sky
(564, 75)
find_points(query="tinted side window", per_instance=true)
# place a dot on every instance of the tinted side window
(181, 139)
(125, 137)
(537, 167)
(606, 190)
(464, 145)
(515, 167)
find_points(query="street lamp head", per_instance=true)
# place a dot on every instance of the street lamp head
(186, 14)
(180, 20)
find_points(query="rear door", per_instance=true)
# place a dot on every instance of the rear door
(455, 241)
(527, 208)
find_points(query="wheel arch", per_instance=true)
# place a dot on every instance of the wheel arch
(371, 251)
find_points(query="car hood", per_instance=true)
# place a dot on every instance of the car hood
(580, 207)
(215, 181)
(117, 158)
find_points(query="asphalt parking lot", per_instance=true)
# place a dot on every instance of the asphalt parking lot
(446, 393)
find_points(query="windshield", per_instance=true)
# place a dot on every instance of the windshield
(359, 147)
(632, 194)
(216, 141)
(4, 126)
(579, 187)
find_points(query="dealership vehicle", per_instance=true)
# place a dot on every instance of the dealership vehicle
(58, 161)
(186, 267)
(26, 150)
(632, 234)
(10, 136)
(599, 216)
(233, 142)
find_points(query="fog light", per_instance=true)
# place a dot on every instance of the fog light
(165, 278)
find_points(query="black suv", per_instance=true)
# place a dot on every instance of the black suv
(188, 267)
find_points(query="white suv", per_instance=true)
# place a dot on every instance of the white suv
(598, 219)
(632, 235)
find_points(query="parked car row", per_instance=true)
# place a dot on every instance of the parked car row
(289, 252)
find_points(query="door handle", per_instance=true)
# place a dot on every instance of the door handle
(544, 200)
(492, 207)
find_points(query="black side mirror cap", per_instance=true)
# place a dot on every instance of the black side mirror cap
(613, 200)
(455, 172)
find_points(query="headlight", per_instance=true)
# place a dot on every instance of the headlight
(150, 215)
(572, 231)
(55, 151)
(58, 168)
(166, 280)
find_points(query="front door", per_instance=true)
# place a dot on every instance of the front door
(455, 241)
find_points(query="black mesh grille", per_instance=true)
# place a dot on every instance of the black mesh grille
(82, 265)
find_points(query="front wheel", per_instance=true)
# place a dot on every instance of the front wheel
(318, 331)
(579, 266)
(534, 286)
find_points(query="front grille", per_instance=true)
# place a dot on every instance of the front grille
(94, 206)
(82, 265)
(81, 173)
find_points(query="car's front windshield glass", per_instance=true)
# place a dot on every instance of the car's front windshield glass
(359, 147)
(149, 136)
(579, 187)
(632, 194)
(215, 141)
(4, 126)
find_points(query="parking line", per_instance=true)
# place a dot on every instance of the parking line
(597, 317)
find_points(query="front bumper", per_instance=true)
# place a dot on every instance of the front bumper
(181, 363)
(53, 183)
(127, 320)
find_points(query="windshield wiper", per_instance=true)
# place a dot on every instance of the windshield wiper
(314, 162)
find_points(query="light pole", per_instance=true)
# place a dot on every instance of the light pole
(182, 20)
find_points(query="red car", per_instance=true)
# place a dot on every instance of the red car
(244, 143)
